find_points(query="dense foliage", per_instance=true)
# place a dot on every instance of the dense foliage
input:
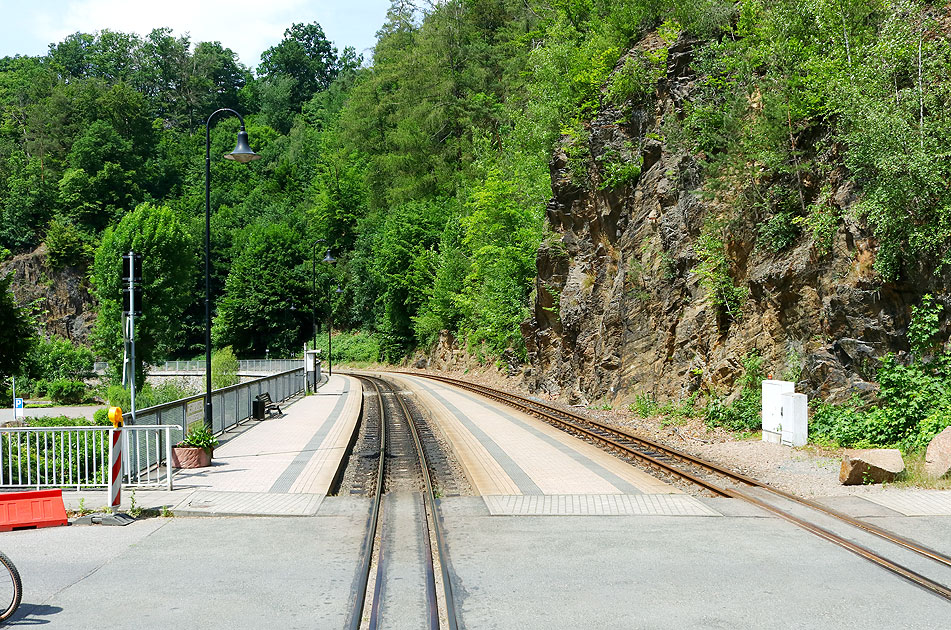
(425, 169)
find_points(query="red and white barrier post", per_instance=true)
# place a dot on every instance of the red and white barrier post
(115, 458)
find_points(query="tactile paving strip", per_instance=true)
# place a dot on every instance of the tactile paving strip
(915, 502)
(597, 505)
(210, 503)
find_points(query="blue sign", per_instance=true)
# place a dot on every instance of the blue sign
(18, 403)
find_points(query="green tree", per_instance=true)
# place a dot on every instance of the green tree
(264, 306)
(169, 265)
(17, 337)
(304, 55)
(224, 368)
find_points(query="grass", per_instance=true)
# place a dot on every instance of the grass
(915, 475)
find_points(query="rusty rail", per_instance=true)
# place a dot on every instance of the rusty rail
(572, 421)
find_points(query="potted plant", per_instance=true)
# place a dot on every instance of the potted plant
(196, 449)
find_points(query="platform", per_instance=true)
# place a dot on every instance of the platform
(281, 466)
(506, 453)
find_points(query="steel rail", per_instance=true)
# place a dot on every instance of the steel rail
(363, 577)
(436, 533)
(550, 413)
(441, 550)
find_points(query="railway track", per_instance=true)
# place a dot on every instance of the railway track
(402, 484)
(723, 482)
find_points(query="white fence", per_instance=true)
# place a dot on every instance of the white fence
(78, 457)
(260, 366)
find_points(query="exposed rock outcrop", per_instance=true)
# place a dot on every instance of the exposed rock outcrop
(620, 308)
(61, 298)
(938, 455)
(872, 465)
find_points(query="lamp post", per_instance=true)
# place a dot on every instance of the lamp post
(329, 260)
(313, 290)
(242, 153)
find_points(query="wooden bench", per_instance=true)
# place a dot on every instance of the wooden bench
(269, 405)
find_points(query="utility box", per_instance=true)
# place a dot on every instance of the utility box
(773, 408)
(795, 420)
(312, 367)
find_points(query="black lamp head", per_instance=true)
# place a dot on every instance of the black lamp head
(242, 151)
(328, 258)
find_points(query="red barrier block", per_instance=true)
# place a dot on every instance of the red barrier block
(29, 510)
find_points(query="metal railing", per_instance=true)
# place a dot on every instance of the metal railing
(245, 365)
(78, 457)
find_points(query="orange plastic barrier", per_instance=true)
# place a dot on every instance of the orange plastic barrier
(29, 510)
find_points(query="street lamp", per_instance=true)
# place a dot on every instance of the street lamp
(313, 290)
(313, 312)
(242, 153)
(330, 370)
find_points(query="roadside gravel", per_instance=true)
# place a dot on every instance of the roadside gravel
(807, 471)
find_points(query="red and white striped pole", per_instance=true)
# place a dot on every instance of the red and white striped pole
(115, 458)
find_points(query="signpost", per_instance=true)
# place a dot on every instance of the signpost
(18, 408)
(131, 306)
(194, 414)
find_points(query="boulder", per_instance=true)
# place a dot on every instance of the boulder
(938, 455)
(870, 466)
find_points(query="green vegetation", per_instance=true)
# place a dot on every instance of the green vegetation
(425, 170)
(199, 436)
(16, 335)
(744, 413)
(914, 402)
(147, 395)
(224, 368)
(353, 348)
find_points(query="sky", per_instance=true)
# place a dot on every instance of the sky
(248, 27)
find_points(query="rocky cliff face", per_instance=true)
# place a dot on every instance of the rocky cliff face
(61, 299)
(620, 307)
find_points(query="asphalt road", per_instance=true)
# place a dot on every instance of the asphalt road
(742, 570)
(78, 411)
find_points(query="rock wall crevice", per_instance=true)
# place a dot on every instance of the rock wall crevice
(621, 310)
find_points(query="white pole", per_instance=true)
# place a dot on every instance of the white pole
(132, 326)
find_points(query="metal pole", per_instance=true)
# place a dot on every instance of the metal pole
(330, 325)
(313, 294)
(208, 410)
(132, 329)
(208, 422)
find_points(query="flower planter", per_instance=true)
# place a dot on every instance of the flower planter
(191, 457)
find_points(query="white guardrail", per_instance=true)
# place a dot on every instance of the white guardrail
(244, 366)
(78, 457)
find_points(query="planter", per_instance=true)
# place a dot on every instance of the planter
(191, 457)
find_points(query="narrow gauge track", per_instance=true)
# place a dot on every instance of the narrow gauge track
(399, 442)
(698, 471)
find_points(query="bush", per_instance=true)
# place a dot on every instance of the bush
(68, 245)
(224, 368)
(67, 391)
(101, 417)
(57, 358)
(352, 347)
(841, 425)
(59, 421)
(744, 413)
(147, 396)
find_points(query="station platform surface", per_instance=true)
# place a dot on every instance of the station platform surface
(523, 466)
(281, 466)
